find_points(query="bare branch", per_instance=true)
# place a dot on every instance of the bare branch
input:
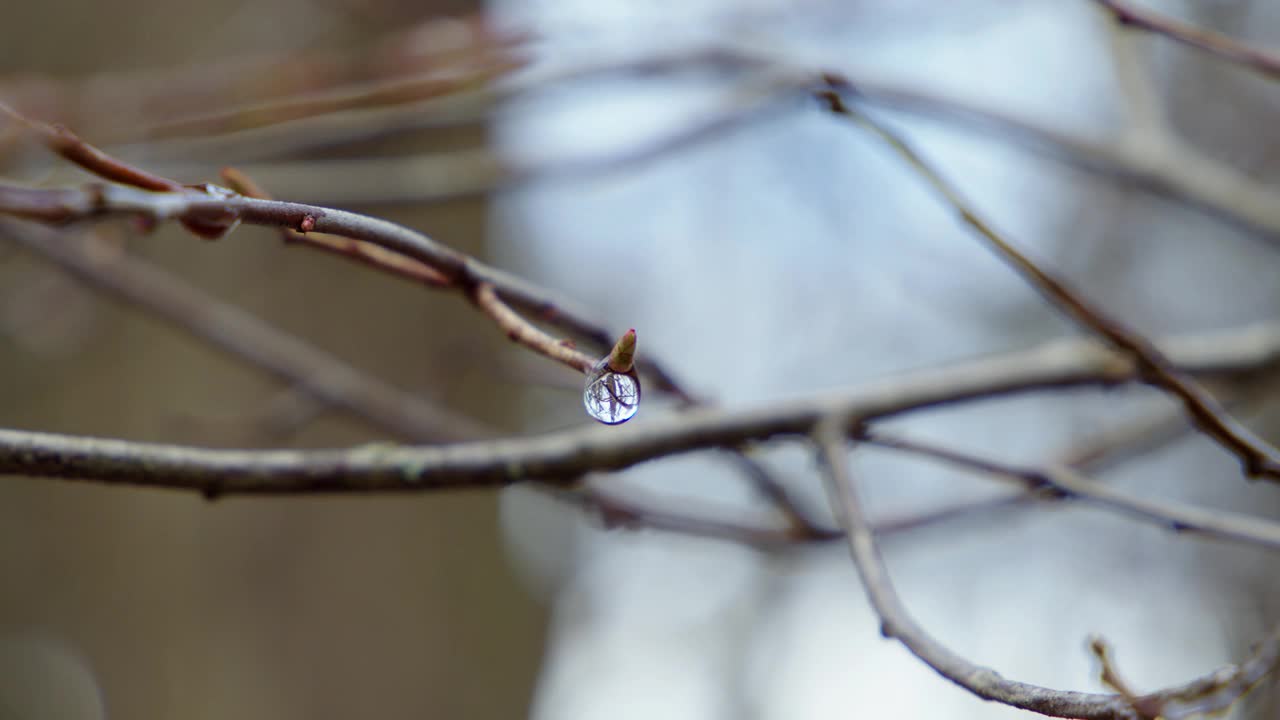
(1143, 106)
(632, 511)
(200, 210)
(801, 525)
(1258, 458)
(568, 454)
(1216, 524)
(1167, 169)
(896, 622)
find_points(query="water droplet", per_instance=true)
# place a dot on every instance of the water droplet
(611, 397)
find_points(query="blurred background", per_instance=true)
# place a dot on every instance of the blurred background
(782, 233)
(395, 607)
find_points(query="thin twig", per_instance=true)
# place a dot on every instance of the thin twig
(1145, 119)
(242, 91)
(632, 511)
(1167, 169)
(471, 173)
(1257, 457)
(1255, 58)
(897, 623)
(801, 525)
(525, 333)
(1110, 677)
(1216, 524)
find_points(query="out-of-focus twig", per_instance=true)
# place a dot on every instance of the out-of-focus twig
(470, 173)
(1255, 58)
(427, 59)
(800, 523)
(1217, 524)
(636, 511)
(1110, 677)
(244, 335)
(275, 420)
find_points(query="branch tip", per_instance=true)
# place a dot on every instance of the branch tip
(623, 356)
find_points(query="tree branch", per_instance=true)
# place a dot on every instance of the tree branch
(1233, 51)
(1226, 685)
(1257, 457)
(211, 211)
(564, 455)
(1216, 524)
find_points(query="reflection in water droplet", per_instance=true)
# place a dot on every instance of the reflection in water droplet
(611, 397)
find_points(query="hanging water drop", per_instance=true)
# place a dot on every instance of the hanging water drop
(611, 397)
(612, 393)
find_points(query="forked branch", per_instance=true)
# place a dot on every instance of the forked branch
(1257, 457)
(1216, 690)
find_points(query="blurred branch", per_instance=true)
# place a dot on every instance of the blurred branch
(1216, 524)
(427, 59)
(1222, 687)
(463, 108)
(244, 335)
(801, 526)
(1233, 51)
(271, 422)
(1143, 105)
(463, 174)
(636, 511)
(1171, 169)
(361, 252)
(1258, 458)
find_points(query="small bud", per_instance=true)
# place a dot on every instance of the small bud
(623, 356)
